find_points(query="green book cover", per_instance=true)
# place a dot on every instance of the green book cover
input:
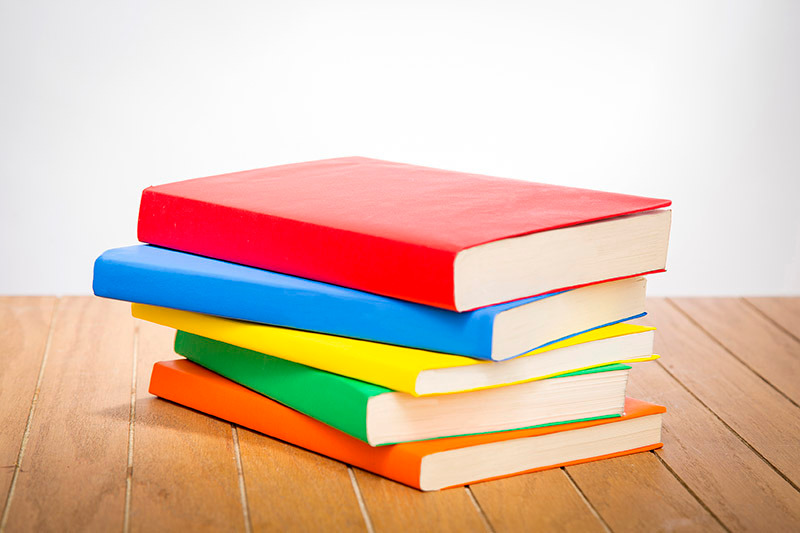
(336, 400)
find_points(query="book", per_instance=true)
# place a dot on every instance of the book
(168, 278)
(447, 239)
(417, 372)
(381, 416)
(426, 465)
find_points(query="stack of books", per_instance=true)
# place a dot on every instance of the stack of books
(434, 327)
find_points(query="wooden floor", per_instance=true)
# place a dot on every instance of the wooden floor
(84, 447)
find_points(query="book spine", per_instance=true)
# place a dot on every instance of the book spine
(327, 397)
(202, 392)
(392, 268)
(150, 276)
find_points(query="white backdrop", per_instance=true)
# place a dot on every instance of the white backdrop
(693, 101)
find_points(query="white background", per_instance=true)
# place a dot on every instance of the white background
(697, 101)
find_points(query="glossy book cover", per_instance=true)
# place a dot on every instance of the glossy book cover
(190, 385)
(394, 367)
(377, 226)
(339, 401)
(168, 278)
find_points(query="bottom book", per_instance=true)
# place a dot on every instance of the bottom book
(426, 465)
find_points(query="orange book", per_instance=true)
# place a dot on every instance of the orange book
(426, 465)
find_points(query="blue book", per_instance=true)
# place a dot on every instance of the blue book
(158, 276)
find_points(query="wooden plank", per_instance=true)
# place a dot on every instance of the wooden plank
(757, 412)
(541, 501)
(24, 325)
(734, 483)
(757, 341)
(395, 507)
(74, 468)
(784, 311)
(73, 473)
(184, 467)
(638, 493)
(291, 489)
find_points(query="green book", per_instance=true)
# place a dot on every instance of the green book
(380, 416)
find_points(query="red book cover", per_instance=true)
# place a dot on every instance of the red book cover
(381, 227)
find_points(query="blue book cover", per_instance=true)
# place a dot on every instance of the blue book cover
(167, 278)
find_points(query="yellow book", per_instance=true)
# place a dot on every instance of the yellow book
(417, 372)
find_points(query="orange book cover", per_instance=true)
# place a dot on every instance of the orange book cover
(188, 384)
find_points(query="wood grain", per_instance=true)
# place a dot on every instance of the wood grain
(763, 417)
(757, 341)
(784, 311)
(541, 501)
(395, 507)
(73, 473)
(184, 469)
(734, 483)
(24, 325)
(730, 438)
(291, 489)
(638, 493)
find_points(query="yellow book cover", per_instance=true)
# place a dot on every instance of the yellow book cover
(417, 372)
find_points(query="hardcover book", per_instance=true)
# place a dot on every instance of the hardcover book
(380, 416)
(427, 465)
(167, 278)
(446, 239)
(417, 372)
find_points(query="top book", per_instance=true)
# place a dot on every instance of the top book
(441, 238)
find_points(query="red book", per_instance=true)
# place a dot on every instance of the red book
(447, 239)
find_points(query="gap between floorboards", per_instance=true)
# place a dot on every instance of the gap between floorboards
(31, 412)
